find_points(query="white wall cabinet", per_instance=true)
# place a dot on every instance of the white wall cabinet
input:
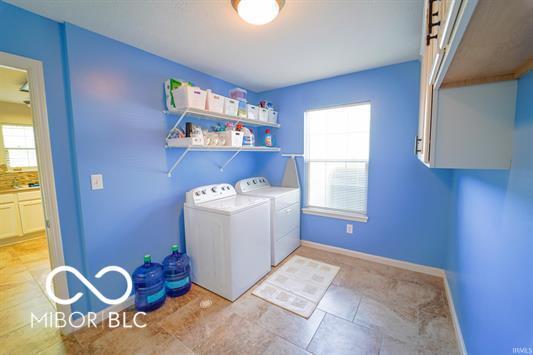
(21, 213)
(462, 125)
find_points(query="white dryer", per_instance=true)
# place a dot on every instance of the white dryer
(228, 239)
(284, 214)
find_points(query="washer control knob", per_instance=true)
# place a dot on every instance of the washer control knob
(203, 192)
(197, 193)
(214, 189)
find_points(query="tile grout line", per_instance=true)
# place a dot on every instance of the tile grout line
(358, 305)
(316, 331)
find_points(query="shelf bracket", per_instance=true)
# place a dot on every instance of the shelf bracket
(178, 161)
(183, 114)
(292, 155)
(230, 159)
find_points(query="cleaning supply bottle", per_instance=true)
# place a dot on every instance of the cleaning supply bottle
(149, 286)
(177, 271)
(248, 138)
(268, 138)
(252, 137)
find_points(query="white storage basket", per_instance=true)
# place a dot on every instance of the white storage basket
(272, 116)
(190, 97)
(231, 106)
(185, 142)
(253, 112)
(263, 114)
(233, 138)
(215, 102)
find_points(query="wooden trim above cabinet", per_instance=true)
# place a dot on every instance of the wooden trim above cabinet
(496, 45)
(516, 74)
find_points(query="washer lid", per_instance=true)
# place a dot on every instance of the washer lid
(271, 192)
(231, 205)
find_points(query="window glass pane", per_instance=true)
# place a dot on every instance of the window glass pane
(319, 148)
(21, 158)
(18, 136)
(338, 185)
(346, 186)
(337, 154)
(316, 184)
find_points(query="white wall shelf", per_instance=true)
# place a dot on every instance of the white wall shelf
(203, 114)
(236, 151)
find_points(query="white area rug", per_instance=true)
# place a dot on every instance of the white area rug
(298, 285)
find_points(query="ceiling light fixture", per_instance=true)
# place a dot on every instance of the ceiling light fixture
(258, 12)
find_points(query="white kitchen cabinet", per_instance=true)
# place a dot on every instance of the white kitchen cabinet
(31, 216)
(9, 220)
(21, 213)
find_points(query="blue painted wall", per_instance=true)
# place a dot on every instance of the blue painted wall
(490, 269)
(28, 35)
(105, 102)
(119, 130)
(408, 204)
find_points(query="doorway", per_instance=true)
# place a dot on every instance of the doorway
(30, 238)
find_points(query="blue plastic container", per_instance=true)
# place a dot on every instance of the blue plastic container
(177, 273)
(149, 286)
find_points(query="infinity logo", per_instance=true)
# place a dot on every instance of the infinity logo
(89, 285)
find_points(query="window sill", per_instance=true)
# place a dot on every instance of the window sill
(21, 170)
(335, 214)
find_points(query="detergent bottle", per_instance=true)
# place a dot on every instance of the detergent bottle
(248, 137)
(268, 138)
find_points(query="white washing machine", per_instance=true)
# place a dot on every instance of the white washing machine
(228, 239)
(284, 214)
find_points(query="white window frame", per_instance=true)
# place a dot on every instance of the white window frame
(330, 212)
(5, 152)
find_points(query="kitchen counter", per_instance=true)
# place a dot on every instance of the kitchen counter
(21, 189)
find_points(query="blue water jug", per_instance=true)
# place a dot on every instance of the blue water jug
(177, 271)
(149, 285)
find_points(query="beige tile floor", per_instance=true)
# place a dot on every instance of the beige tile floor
(369, 309)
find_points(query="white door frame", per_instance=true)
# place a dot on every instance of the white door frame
(34, 69)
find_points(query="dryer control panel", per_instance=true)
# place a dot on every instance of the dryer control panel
(209, 193)
(251, 184)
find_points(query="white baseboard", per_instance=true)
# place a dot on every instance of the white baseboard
(456, 325)
(402, 265)
(430, 270)
(102, 315)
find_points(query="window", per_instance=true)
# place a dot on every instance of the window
(337, 144)
(19, 146)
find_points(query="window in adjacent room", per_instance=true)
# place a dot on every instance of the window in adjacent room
(19, 146)
(337, 144)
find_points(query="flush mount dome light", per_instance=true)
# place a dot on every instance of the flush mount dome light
(258, 12)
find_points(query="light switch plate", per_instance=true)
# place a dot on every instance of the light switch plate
(97, 182)
(349, 228)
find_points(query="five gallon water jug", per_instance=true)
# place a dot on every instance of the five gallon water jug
(177, 272)
(149, 286)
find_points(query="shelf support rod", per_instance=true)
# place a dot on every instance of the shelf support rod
(177, 123)
(177, 162)
(230, 159)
